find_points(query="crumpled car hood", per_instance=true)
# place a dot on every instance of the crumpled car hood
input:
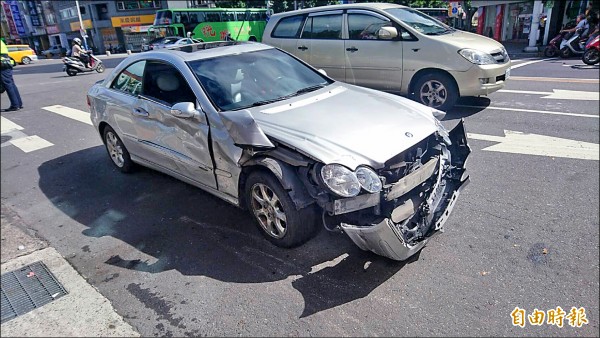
(347, 124)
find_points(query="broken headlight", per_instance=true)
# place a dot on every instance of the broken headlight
(340, 180)
(368, 179)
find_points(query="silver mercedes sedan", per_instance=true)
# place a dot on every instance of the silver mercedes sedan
(264, 131)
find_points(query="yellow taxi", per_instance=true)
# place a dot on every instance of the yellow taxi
(21, 53)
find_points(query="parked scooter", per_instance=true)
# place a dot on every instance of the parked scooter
(591, 55)
(73, 65)
(572, 46)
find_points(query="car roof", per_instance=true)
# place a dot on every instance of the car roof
(17, 46)
(365, 5)
(204, 50)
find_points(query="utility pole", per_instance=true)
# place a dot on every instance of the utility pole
(81, 28)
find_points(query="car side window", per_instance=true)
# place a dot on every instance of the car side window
(288, 27)
(130, 79)
(406, 35)
(12, 49)
(323, 27)
(365, 27)
(166, 84)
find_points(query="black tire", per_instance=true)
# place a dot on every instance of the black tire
(565, 53)
(550, 52)
(252, 38)
(26, 60)
(591, 57)
(100, 68)
(116, 151)
(298, 226)
(436, 90)
(71, 72)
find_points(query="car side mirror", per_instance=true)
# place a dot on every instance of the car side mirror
(322, 71)
(184, 110)
(387, 33)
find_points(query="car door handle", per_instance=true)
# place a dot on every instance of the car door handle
(303, 48)
(140, 112)
(352, 49)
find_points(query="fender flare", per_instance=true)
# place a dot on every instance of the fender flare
(287, 176)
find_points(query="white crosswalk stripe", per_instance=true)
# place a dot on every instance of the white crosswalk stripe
(72, 113)
(19, 139)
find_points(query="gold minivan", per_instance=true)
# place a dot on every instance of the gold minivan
(392, 48)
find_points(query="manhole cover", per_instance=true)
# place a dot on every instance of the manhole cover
(28, 288)
(5, 138)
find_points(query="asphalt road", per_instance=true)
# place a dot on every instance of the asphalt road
(176, 261)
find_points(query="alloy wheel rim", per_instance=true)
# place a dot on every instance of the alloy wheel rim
(115, 150)
(268, 210)
(433, 93)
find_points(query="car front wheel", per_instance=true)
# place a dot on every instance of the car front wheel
(436, 90)
(117, 151)
(275, 212)
(26, 60)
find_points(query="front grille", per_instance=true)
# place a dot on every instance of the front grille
(409, 160)
(501, 56)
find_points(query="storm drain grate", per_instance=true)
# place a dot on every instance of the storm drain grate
(28, 288)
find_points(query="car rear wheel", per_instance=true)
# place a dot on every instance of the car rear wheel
(26, 60)
(275, 212)
(436, 90)
(117, 151)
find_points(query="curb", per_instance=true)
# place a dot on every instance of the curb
(83, 311)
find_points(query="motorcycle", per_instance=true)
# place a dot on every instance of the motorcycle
(591, 55)
(73, 65)
(572, 46)
(553, 46)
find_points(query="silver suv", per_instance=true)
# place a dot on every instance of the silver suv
(265, 131)
(392, 48)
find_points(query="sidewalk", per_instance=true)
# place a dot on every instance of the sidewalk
(517, 50)
(83, 311)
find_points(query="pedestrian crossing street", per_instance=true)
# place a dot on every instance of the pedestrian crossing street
(17, 136)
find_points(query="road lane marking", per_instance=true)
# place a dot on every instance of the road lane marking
(72, 113)
(526, 63)
(559, 94)
(553, 79)
(7, 125)
(532, 144)
(528, 111)
(31, 143)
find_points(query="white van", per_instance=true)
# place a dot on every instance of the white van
(392, 48)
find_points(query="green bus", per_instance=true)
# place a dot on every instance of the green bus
(211, 24)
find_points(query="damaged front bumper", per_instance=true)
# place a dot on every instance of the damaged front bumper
(421, 203)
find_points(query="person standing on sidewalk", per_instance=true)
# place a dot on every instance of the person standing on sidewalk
(7, 80)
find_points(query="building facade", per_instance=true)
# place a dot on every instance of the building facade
(531, 22)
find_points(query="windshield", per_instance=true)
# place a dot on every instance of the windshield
(419, 21)
(161, 32)
(253, 79)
